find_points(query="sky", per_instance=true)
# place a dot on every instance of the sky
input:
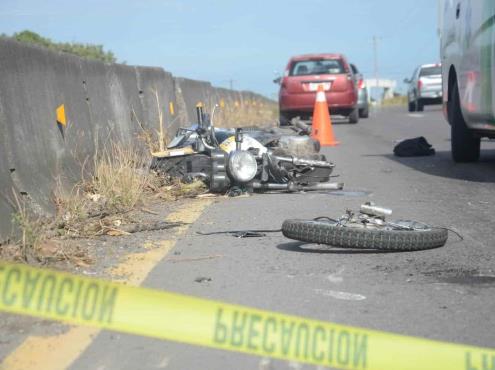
(240, 42)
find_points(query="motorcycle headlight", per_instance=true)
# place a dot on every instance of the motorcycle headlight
(242, 166)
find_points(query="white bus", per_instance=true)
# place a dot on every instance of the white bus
(467, 46)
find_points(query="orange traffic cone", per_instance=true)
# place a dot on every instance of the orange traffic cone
(322, 123)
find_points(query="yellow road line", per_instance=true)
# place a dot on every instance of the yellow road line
(60, 351)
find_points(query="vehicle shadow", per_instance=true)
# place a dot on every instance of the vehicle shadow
(315, 248)
(340, 120)
(441, 165)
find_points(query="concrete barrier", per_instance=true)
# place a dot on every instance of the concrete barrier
(6, 184)
(34, 82)
(102, 102)
(153, 83)
(189, 93)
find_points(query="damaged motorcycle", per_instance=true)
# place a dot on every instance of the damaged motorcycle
(244, 159)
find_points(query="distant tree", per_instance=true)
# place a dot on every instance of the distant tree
(90, 51)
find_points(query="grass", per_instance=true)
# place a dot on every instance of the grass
(120, 177)
(118, 182)
(245, 113)
(173, 189)
(31, 229)
(395, 101)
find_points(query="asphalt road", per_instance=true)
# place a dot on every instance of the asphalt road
(445, 294)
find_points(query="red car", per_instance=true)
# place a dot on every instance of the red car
(303, 75)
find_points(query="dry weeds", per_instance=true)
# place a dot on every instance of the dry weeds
(244, 113)
(106, 202)
(395, 101)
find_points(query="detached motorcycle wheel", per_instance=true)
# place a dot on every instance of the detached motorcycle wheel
(352, 237)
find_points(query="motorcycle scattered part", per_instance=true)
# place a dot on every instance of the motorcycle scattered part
(236, 191)
(294, 187)
(356, 194)
(174, 152)
(229, 144)
(361, 238)
(219, 180)
(248, 234)
(367, 229)
(238, 138)
(242, 166)
(370, 209)
(300, 146)
(238, 232)
(198, 165)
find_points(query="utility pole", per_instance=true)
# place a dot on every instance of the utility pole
(231, 84)
(375, 58)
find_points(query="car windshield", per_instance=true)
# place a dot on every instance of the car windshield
(317, 67)
(430, 71)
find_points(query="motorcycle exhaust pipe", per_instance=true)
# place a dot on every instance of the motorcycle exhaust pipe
(269, 186)
(292, 187)
(312, 163)
(324, 186)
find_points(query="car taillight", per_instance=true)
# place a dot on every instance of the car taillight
(420, 84)
(361, 84)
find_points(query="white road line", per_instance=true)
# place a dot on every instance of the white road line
(346, 296)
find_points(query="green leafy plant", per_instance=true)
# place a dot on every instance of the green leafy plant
(90, 51)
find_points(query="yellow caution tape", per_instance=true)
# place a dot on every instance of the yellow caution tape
(86, 301)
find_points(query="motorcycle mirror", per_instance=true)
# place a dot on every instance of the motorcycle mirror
(199, 114)
(238, 138)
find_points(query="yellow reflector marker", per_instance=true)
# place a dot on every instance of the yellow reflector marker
(81, 300)
(61, 119)
(171, 108)
(222, 103)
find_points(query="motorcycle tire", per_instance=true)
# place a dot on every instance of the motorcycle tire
(347, 237)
